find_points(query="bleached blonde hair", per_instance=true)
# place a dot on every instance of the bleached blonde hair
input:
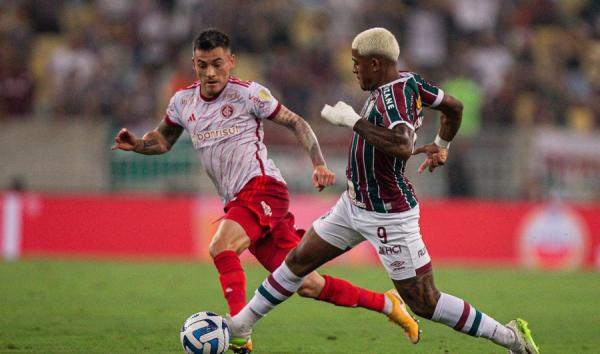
(377, 41)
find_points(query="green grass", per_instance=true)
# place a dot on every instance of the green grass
(119, 307)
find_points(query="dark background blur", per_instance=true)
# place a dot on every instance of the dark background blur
(73, 72)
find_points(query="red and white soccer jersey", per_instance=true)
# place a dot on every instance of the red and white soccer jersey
(227, 132)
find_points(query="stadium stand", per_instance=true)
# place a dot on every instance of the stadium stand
(528, 64)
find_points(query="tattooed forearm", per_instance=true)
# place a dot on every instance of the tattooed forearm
(396, 141)
(169, 132)
(303, 132)
(150, 143)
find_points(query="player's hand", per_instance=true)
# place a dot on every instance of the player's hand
(436, 156)
(125, 140)
(322, 177)
(340, 114)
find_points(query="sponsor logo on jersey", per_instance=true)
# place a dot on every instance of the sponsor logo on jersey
(387, 250)
(191, 118)
(227, 110)
(397, 265)
(388, 100)
(422, 252)
(258, 102)
(215, 134)
(264, 95)
(233, 95)
(358, 203)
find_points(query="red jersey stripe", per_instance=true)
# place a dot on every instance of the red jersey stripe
(257, 155)
(277, 109)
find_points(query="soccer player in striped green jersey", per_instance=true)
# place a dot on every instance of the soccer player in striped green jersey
(380, 205)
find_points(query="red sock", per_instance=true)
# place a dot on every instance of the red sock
(342, 293)
(233, 280)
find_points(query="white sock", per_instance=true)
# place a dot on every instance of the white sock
(461, 316)
(275, 289)
(387, 305)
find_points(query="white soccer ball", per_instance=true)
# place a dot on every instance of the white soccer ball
(205, 333)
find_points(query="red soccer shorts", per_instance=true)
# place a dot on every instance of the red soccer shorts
(261, 208)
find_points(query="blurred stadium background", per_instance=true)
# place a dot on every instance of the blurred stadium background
(522, 187)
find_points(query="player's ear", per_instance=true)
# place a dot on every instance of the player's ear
(232, 60)
(375, 64)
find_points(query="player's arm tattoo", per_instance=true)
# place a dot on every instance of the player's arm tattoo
(397, 141)
(159, 140)
(303, 133)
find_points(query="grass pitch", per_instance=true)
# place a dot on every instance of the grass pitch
(49, 306)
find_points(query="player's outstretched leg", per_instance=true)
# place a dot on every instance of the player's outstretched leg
(526, 344)
(426, 301)
(343, 293)
(275, 289)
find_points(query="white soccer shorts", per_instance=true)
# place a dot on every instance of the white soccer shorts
(395, 236)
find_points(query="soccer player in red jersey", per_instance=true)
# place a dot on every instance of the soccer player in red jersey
(380, 204)
(224, 117)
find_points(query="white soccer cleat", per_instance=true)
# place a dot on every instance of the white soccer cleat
(240, 342)
(524, 343)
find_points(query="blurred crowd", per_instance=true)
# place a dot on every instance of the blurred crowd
(513, 62)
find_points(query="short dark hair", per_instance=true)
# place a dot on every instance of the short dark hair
(211, 39)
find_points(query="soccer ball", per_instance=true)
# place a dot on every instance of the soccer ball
(205, 333)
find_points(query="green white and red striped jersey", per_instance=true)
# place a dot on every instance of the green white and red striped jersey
(376, 180)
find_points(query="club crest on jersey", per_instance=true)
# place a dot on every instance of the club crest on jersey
(227, 111)
(266, 208)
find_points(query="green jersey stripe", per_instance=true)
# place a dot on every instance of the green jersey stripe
(399, 172)
(369, 165)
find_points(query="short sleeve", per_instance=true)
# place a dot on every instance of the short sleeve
(431, 95)
(262, 103)
(172, 115)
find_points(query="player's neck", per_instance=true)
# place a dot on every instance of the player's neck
(390, 74)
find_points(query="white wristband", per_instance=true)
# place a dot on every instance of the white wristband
(441, 142)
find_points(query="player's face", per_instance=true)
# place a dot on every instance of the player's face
(212, 68)
(363, 69)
